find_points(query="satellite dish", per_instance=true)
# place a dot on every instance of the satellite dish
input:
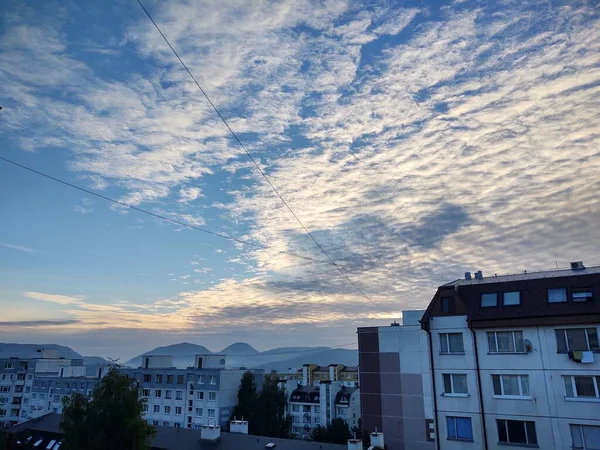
(528, 345)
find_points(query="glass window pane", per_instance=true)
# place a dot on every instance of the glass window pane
(525, 385)
(451, 427)
(489, 299)
(576, 435)
(492, 342)
(516, 431)
(520, 347)
(576, 339)
(510, 384)
(444, 342)
(502, 436)
(460, 384)
(456, 342)
(496, 382)
(568, 387)
(447, 384)
(511, 298)
(463, 428)
(585, 386)
(561, 343)
(531, 434)
(557, 295)
(593, 339)
(591, 436)
(505, 342)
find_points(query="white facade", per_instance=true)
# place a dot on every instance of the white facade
(529, 387)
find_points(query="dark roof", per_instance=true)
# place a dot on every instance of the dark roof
(305, 395)
(464, 298)
(166, 438)
(343, 397)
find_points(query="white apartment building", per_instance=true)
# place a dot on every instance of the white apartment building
(516, 360)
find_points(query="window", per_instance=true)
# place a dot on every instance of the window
(488, 300)
(511, 298)
(582, 386)
(167, 410)
(581, 294)
(211, 413)
(455, 383)
(168, 394)
(557, 295)
(178, 395)
(4, 388)
(316, 409)
(156, 408)
(159, 378)
(169, 379)
(198, 412)
(506, 342)
(165, 424)
(213, 379)
(27, 389)
(146, 392)
(511, 385)
(585, 436)
(178, 410)
(33, 396)
(57, 398)
(296, 408)
(200, 395)
(155, 422)
(305, 408)
(459, 428)
(452, 343)
(145, 408)
(82, 386)
(212, 396)
(147, 378)
(8, 365)
(516, 432)
(177, 425)
(42, 396)
(577, 339)
(448, 305)
(158, 393)
(179, 379)
(200, 379)
(54, 410)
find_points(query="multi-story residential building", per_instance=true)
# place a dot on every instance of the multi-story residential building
(313, 374)
(311, 406)
(189, 398)
(514, 361)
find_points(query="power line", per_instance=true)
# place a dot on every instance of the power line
(158, 216)
(264, 175)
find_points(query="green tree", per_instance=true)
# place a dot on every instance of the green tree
(247, 398)
(111, 419)
(319, 434)
(338, 432)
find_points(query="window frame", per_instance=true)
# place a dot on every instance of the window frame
(579, 427)
(566, 296)
(201, 410)
(445, 337)
(587, 339)
(512, 304)
(576, 396)
(156, 409)
(212, 380)
(481, 305)
(502, 395)
(508, 441)
(212, 396)
(514, 339)
(453, 393)
(585, 299)
(457, 437)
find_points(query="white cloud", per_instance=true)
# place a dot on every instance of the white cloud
(20, 248)
(188, 194)
(55, 298)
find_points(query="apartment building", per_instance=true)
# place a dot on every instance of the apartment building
(311, 406)
(510, 361)
(516, 359)
(189, 398)
(313, 374)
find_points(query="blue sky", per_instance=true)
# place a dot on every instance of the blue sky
(416, 140)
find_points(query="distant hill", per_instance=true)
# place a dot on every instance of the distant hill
(8, 350)
(320, 357)
(239, 348)
(183, 354)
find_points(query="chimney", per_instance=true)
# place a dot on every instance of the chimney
(238, 426)
(467, 275)
(355, 444)
(210, 433)
(479, 275)
(377, 440)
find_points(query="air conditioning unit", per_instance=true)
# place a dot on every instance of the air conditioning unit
(577, 265)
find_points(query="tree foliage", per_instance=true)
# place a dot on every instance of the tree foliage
(111, 419)
(265, 411)
(337, 432)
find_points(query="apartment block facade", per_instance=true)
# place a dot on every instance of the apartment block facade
(513, 361)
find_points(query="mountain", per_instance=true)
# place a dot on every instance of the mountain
(239, 349)
(320, 357)
(29, 351)
(94, 360)
(183, 354)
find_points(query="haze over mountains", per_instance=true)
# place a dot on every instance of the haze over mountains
(29, 351)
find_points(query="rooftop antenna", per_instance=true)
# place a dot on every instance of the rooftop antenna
(556, 261)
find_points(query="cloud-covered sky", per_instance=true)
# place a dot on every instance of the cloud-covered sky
(416, 140)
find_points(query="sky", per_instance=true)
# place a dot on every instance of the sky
(416, 140)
